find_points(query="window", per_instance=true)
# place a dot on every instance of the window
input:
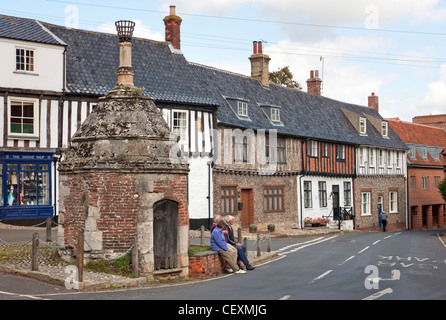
(308, 203)
(361, 157)
(398, 165)
(228, 200)
(23, 117)
(436, 154)
(413, 183)
(371, 158)
(389, 158)
(437, 180)
(365, 203)
(276, 154)
(241, 154)
(322, 194)
(424, 183)
(180, 125)
(28, 184)
(24, 60)
(424, 153)
(393, 201)
(324, 149)
(340, 152)
(281, 150)
(242, 109)
(347, 194)
(384, 129)
(275, 115)
(312, 148)
(362, 126)
(273, 199)
(381, 158)
(412, 153)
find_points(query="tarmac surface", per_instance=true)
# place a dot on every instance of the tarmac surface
(15, 256)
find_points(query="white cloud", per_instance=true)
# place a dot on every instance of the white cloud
(435, 96)
(141, 31)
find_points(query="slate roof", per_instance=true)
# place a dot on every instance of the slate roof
(93, 60)
(302, 114)
(26, 30)
(421, 135)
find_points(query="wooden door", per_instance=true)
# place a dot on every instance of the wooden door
(336, 208)
(247, 207)
(165, 230)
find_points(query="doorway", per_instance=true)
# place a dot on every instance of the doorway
(247, 214)
(165, 230)
(336, 209)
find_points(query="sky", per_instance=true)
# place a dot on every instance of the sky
(393, 48)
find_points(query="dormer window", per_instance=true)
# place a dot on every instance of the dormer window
(275, 115)
(436, 154)
(242, 109)
(384, 129)
(424, 153)
(362, 126)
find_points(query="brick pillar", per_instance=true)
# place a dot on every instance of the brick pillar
(429, 216)
(441, 216)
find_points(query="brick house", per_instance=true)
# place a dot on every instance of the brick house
(425, 169)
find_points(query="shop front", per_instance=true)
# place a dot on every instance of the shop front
(26, 185)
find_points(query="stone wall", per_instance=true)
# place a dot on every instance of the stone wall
(380, 186)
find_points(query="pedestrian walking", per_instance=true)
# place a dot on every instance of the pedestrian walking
(384, 220)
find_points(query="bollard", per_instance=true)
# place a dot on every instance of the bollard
(268, 243)
(48, 230)
(35, 252)
(202, 235)
(135, 260)
(245, 243)
(80, 256)
(258, 244)
(239, 235)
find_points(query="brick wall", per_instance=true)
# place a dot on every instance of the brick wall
(205, 264)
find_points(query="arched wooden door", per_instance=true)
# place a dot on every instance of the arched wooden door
(165, 230)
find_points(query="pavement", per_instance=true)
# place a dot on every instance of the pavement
(15, 257)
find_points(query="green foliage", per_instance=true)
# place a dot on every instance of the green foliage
(284, 77)
(194, 249)
(442, 188)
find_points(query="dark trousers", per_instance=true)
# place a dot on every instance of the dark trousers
(384, 225)
(241, 255)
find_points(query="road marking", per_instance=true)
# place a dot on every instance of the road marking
(285, 297)
(307, 244)
(347, 260)
(388, 237)
(364, 249)
(379, 294)
(376, 242)
(298, 244)
(21, 295)
(321, 276)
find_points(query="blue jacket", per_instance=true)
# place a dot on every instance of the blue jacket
(218, 241)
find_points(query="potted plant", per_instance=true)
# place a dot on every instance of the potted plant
(271, 227)
(252, 228)
(308, 222)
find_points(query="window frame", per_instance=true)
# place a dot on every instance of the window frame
(242, 109)
(366, 205)
(28, 62)
(393, 201)
(275, 114)
(385, 129)
(178, 129)
(275, 201)
(362, 126)
(340, 152)
(322, 191)
(232, 200)
(308, 195)
(347, 193)
(35, 118)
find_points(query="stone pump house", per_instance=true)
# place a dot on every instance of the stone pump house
(118, 185)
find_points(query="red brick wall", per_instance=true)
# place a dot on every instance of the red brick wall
(205, 264)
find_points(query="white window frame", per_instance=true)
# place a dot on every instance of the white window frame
(36, 128)
(275, 115)
(366, 205)
(340, 152)
(308, 194)
(393, 201)
(363, 126)
(361, 157)
(242, 109)
(385, 129)
(398, 164)
(425, 182)
(412, 152)
(180, 129)
(26, 64)
(371, 157)
(381, 158)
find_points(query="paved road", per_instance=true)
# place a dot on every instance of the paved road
(373, 265)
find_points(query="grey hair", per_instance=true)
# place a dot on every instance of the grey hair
(216, 217)
(229, 218)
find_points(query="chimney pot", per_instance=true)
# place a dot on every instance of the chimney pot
(373, 102)
(260, 46)
(314, 83)
(260, 64)
(254, 47)
(172, 10)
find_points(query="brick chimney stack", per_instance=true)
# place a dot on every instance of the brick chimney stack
(373, 102)
(260, 64)
(173, 23)
(314, 83)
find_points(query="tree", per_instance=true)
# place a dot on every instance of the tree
(284, 77)
(442, 188)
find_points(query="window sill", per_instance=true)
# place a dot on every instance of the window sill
(22, 137)
(27, 73)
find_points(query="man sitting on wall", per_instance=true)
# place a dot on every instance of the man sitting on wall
(218, 243)
(241, 249)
